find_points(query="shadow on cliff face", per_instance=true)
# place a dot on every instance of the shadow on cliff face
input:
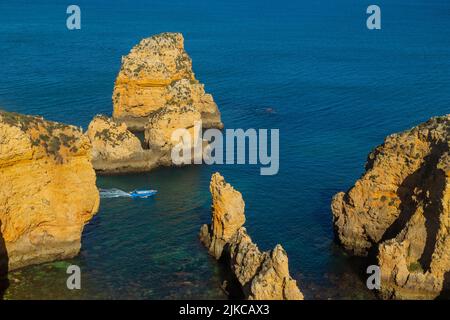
(4, 283)
(431, 183)
(445, 294)
(141, 136)
(432, 212)
(230, 283)
(407, 205)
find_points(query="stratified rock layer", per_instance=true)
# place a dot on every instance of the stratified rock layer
(156, 73)
(47, 189)
(401, 206)
(116, 150)
(261, 275)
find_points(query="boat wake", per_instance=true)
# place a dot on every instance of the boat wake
(113, 193)
(117, 193)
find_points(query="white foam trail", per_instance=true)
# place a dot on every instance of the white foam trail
(113, 193)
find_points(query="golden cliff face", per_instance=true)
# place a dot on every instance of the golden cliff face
(400, 206)
(47, 189)
(158, 72)
(261, 275)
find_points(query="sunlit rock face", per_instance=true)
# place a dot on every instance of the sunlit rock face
(261, 275)
(160, 131)
(400, 208)
(158, 72)
(115, 149)
(47, 189)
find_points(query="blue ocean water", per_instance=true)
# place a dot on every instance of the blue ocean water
(336, 89)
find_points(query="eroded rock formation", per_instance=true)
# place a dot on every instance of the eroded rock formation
(160, 129)
(400, 207)
(158, 72)
(115, 149)
(156, 93)
(47, 189)
(261, 275)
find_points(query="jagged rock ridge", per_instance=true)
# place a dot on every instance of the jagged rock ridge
(261, 275)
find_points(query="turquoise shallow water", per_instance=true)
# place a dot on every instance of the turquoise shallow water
(336, 89)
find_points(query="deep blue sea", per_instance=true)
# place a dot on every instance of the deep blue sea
(336, 90)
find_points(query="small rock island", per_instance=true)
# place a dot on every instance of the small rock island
(399, 210)
(155, 93)
(157, 73)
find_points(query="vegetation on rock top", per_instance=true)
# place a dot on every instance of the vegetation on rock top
(56, 139)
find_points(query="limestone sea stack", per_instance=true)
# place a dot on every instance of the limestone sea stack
(261, 275)
(156, 73)
(47, 189)
(162, 125)
(400, 209)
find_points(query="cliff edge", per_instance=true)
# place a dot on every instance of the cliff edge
(47, 189)
(400, 209)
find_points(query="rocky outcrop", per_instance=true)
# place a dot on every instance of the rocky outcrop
(227, 214)
(160, 129)
(115, 149)
(400, 207)
(156, 93)
(261, 275)
(156, 73)
(47, 189)
(118, 150)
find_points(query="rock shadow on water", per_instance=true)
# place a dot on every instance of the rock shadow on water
(4, 261)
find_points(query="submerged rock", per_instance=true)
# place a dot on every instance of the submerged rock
(261, 275)
(115, 149)
(158, 72)
(47, 189)
(400, 207)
